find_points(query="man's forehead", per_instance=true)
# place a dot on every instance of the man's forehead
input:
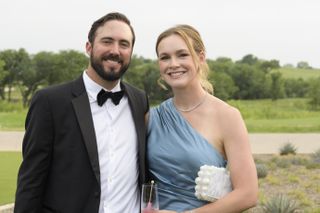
(117, 30)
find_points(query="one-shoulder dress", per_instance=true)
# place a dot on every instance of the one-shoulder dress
(175, 152)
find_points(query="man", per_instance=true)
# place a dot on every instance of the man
(82, 151)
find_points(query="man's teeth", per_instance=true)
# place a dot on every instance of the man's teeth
(113, 61)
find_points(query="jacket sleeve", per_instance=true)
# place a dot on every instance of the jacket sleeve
(37, 151)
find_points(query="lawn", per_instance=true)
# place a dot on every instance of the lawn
(9, 164)
(284, 115)
(12, 121)
(295, 73)
(266, 116)
(12, 116)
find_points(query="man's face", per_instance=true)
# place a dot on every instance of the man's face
(110, 53)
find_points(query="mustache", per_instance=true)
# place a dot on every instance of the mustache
(112, 57)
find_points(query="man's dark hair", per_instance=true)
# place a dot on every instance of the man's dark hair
(109, 17)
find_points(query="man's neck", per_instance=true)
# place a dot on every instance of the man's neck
(109, 85)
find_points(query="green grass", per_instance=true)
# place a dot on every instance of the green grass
(12, 116)
(12, 121)
(9, 165)
(284, 115)
(305, 74)
(311, 124)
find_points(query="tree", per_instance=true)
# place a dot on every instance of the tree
(29, 81)
(251, 81)
(3, 75)
(15, 63)
(314, 93)
(295, 87)
(267, 66)
(144, 74)
(70, 64)
(277, 88)
(249, 59)
(221, 64)
(46, 65)
(224, 86)
(303, 65)
(136, 72)
(155, 92)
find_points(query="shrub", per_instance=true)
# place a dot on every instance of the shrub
(313, 165)
(299, 161)
(262, 170)
(288, 148)
(315, 157)
(281, 162)
(280, 204)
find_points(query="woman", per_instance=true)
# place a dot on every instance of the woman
(194, 128)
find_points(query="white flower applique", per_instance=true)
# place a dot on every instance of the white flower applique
(212, 183)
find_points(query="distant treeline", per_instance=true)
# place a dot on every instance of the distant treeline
(248, 78)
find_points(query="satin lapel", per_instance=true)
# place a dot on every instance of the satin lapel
(137, 111)
(134, 107)
(83, 113)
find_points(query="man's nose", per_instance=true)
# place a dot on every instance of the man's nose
(115, 49)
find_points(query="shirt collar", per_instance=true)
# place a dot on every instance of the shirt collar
(93, 88)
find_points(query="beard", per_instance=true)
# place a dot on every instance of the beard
(111, 74)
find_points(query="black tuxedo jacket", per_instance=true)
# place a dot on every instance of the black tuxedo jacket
(60, 168)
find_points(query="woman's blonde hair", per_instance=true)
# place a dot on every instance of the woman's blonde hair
(195, 45)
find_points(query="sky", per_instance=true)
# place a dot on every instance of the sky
(285, 30)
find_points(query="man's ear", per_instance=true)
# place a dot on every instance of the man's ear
(88, 48)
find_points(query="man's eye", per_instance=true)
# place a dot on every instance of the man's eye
(125, 44)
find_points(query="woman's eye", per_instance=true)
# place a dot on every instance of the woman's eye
(164, 58)
(184, 55)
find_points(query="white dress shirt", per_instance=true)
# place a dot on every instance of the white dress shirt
(117, 149)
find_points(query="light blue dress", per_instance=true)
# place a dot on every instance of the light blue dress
(175, 153)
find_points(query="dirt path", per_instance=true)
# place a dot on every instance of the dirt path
(11, 141)
(270, 143)
(260, 143)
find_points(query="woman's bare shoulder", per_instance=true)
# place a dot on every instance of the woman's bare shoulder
(222, 107)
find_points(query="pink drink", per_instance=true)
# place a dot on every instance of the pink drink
(149, 209)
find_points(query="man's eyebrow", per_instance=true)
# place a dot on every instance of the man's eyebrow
(107, 38)
(112, 39)
(125, 40)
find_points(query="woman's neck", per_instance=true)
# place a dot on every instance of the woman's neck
(187, 100)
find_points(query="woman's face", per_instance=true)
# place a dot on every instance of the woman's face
(177, 67)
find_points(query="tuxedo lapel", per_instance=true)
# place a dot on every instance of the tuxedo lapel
(83, 113)
(137, 110)
(134, 106)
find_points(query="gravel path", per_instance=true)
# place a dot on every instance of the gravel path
(261, 143)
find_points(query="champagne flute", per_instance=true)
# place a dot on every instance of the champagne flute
(149, 198)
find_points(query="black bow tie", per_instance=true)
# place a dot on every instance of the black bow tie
(104, 95)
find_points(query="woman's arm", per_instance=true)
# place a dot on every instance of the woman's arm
(241, 164)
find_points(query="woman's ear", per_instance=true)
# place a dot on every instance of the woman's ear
(202, 57)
